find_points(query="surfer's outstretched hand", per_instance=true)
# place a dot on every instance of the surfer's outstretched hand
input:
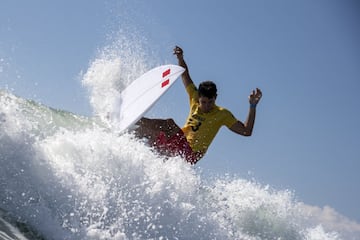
(255, 96)
(178, 51)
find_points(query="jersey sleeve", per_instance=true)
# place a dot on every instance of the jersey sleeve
(229, 119)
(193, 93)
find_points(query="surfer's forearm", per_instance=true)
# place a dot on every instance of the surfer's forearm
(186, 75)
(250, 121)
(182, 62)
(254, 99)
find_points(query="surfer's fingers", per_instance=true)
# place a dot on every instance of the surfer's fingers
(258, 93)
(178, 50)
(252, 95)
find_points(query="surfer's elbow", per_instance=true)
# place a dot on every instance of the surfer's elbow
(247, 133)
(241, 129)
(244, 133)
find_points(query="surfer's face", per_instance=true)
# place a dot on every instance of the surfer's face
(206, 104)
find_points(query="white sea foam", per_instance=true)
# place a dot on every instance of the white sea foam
(71, 177)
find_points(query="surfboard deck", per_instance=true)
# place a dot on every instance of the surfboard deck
(143, 93)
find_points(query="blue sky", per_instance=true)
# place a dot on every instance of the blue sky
(304, 55)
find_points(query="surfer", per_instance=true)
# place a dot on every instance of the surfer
(205, 119)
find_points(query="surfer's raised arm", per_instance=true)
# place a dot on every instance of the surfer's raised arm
(245, 129)
(185, 76)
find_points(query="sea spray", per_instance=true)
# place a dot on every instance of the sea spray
(117, 64)
(71, 177)
(82, 181)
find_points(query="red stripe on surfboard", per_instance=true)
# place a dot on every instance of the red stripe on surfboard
(164, 83)
(167, 72)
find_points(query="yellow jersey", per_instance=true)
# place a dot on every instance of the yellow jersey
(201, 128)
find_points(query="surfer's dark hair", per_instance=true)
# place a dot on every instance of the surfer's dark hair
(207, 89)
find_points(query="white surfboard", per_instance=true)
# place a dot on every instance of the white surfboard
(141, 94)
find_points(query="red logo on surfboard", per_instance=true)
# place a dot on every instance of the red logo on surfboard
(167, 81)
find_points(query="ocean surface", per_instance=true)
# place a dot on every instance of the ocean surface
(65, 176)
